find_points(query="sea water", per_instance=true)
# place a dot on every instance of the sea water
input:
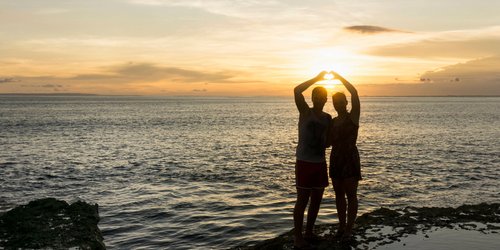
(216, 172)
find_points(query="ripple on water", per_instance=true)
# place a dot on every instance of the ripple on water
(183, 173)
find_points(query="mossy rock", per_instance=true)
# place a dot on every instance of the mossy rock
(51, 223)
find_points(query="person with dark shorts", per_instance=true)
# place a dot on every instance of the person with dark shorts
(345, 167)
(311, 174)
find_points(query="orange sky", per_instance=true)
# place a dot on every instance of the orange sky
(222, 47)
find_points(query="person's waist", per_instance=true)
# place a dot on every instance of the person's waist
(311, 159)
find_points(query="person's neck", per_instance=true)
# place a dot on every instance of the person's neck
(317, 110)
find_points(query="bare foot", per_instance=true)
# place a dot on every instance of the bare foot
(340, 232)
(347, 236)
(299, 244)
(312, 238)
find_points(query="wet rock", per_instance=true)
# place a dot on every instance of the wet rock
(51, 223)
(385, 226)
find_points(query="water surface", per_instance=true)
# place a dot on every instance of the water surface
(198, 173)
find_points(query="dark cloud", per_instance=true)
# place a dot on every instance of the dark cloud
(95, 77)
(42, 85)
(140, 72)
(7, 80)
(153, 72)
(150, 72)
(199, 90)
(51, 86)
(369, 29)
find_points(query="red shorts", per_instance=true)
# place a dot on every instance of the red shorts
(311, 174)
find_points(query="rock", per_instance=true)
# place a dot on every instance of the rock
(51, 223)
(398, 223)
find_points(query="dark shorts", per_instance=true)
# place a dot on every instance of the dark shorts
(311, 174)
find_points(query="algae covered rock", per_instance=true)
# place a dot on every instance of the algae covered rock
(51, 223)
(384, 226)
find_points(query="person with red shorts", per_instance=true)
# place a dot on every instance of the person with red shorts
(311, 173)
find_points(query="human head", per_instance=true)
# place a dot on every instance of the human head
(319, 96)
(339, 102)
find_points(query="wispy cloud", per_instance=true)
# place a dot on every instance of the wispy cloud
(51, 11)
(441, 48)
(479, 70)
(451, 44)
(43, 85)
(199, 90)
(153, 72)
(139, 72)
(231, 8)
(474, 77)
(7, 80)
(369, 29)
(258, 11)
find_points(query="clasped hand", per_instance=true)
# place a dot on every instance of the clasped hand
(331, 75)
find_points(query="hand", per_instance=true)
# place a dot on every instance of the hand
(321, 76)
(335, 75)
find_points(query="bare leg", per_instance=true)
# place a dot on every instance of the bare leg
(351, 187)
(340, 202)
(312, 212)
(298, 215)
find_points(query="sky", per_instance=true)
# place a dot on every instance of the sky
(248, 47)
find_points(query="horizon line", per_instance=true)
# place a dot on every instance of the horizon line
(225, 96)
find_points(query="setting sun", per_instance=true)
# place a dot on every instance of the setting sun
(330, 85)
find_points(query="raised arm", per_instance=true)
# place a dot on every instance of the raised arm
(300, 101)
(355, 110)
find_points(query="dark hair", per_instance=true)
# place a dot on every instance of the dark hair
(319, 90)
(339, 95)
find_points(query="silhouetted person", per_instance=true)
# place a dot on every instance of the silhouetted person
(345, 168)
(311, 175)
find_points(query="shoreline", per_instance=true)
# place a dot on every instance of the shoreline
(398, 228)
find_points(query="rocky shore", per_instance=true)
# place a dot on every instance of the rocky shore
(385, 226)
(53, 224)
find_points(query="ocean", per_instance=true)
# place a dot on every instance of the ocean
(217, 172)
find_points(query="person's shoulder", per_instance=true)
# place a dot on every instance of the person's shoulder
(352, 120)
(327, 115)
(305, 113)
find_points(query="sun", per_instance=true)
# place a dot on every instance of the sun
(328, 59)
(315, 60)
(330, 84)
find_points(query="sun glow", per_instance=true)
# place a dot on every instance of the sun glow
(330, 59)
(327, 59)
(330, 84)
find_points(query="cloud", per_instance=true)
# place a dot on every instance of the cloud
(51, 11)
(476, 77)
(49, 85)
(479, 70)
(369, 30)
(258, 11)
(138, 73)
(450, 44)
(199, 90)
(150, 71)
(7, 80)
(228, 8)
(42, 85)
(437, 48)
